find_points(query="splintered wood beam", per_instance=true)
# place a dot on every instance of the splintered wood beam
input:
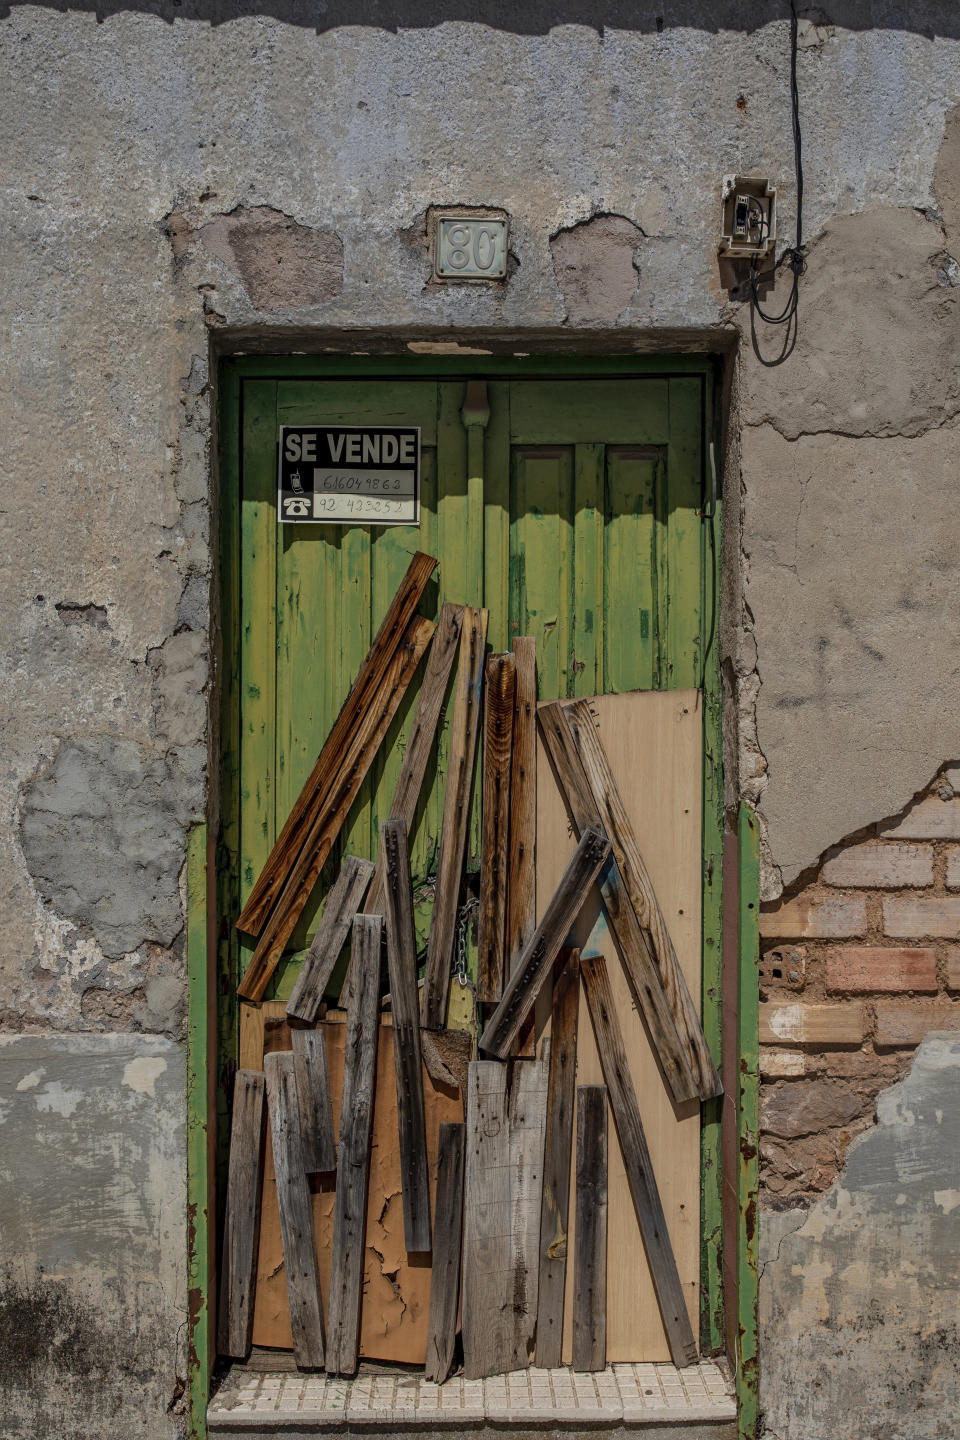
(636, 1160)
(241, 1227)
(456, 815)
(312, 797)
(353, 1170)
(544, 944)
(296, 1211)
(616, 823)
(554, 1214)
(402, 965)
(447, 1241)
(313, 1101)
(590, 1247)
(419, 748)
(342, 904)
(497, 747)
(522, 859)
(634, 945)
(356, 761)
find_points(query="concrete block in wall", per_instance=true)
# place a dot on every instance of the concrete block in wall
(912, 917)
(783, 1023)
(902, 1022)
(890, 865)
(835, 917)
(929, 819)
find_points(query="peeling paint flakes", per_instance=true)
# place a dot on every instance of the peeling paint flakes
(141, 1075)
(947, 1200)
(56, 1097)
(32, 1080)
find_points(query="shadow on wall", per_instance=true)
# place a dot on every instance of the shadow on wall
(537, 17)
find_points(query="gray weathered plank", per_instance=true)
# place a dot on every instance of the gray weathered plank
(296, 1211)
(353, 1171)
(636, 1160)
(498, 708)
(343, 902)
(504, 1167)
(544, 944)
(241, 1227)
(405, 1002)
(456, 817)
(313, 1100)
(616, 824)
(522, 856)
(633, 944)
(554, 1213)
(447, 1242)
(590, 1245)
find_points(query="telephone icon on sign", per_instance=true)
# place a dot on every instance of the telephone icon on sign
(295, 507)
(296, 485)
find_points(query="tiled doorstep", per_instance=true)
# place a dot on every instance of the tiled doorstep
(622, 1395)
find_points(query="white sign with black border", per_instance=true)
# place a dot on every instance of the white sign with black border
(349, 475)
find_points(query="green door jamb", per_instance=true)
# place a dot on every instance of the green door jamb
(748, 1122)
(200, 1354)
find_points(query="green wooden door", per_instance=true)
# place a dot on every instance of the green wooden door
(569, 508)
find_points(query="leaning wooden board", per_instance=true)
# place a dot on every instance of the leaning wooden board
(395, 1311)
(653, 740)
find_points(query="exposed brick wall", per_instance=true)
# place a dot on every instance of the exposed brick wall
(857, 965)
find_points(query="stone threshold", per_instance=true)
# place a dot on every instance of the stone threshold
(646, 1399)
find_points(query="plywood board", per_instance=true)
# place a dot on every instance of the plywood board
(653, 741)
(396, 1287)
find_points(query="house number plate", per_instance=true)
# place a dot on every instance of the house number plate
(471, 249)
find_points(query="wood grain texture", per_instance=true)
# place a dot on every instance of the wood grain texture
(296, 1215)
(356, 761)
(634, 944)
(447, 1242)
(505, 1136)
(456, 815)
(590, 1246)
(542, 949)
(343, 902)
(498, 707)
(554, 1214)
(241, 1224)
(616, 823)
(302, 817)
(402, 964)
(522, 857)
(313, 1101)
(636, 1157)
(419, 747)
(356, 1121)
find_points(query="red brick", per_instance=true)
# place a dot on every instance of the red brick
(887, 865)
(908, 917)
(872, 967)
(901, 1023)
(929, 819)
(783, 1022)
(836, 917)
(953, 969)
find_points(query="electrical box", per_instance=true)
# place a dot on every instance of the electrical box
(748, 227)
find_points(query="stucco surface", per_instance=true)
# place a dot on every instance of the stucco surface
(859, 1333)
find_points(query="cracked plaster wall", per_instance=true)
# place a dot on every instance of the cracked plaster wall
(168, 179)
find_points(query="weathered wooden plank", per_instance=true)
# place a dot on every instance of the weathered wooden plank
(554, 1213)
(343, 902)
(241, 1225)
(313, 1101)
(616, 824)
(590, 1246)
(296, 1215)
(498, 710)
(521, 866)
(356, 761)
(456, 814)
(353, 1173)
(542, 949)
(447, 1242)
(633, 943)
(636, 1160)
(416, 757)
(502, 1214)
(405, 1004)
(286, 850)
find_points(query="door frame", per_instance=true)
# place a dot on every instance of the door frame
(211, 1017)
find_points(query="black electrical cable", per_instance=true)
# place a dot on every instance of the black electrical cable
(795, 254)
